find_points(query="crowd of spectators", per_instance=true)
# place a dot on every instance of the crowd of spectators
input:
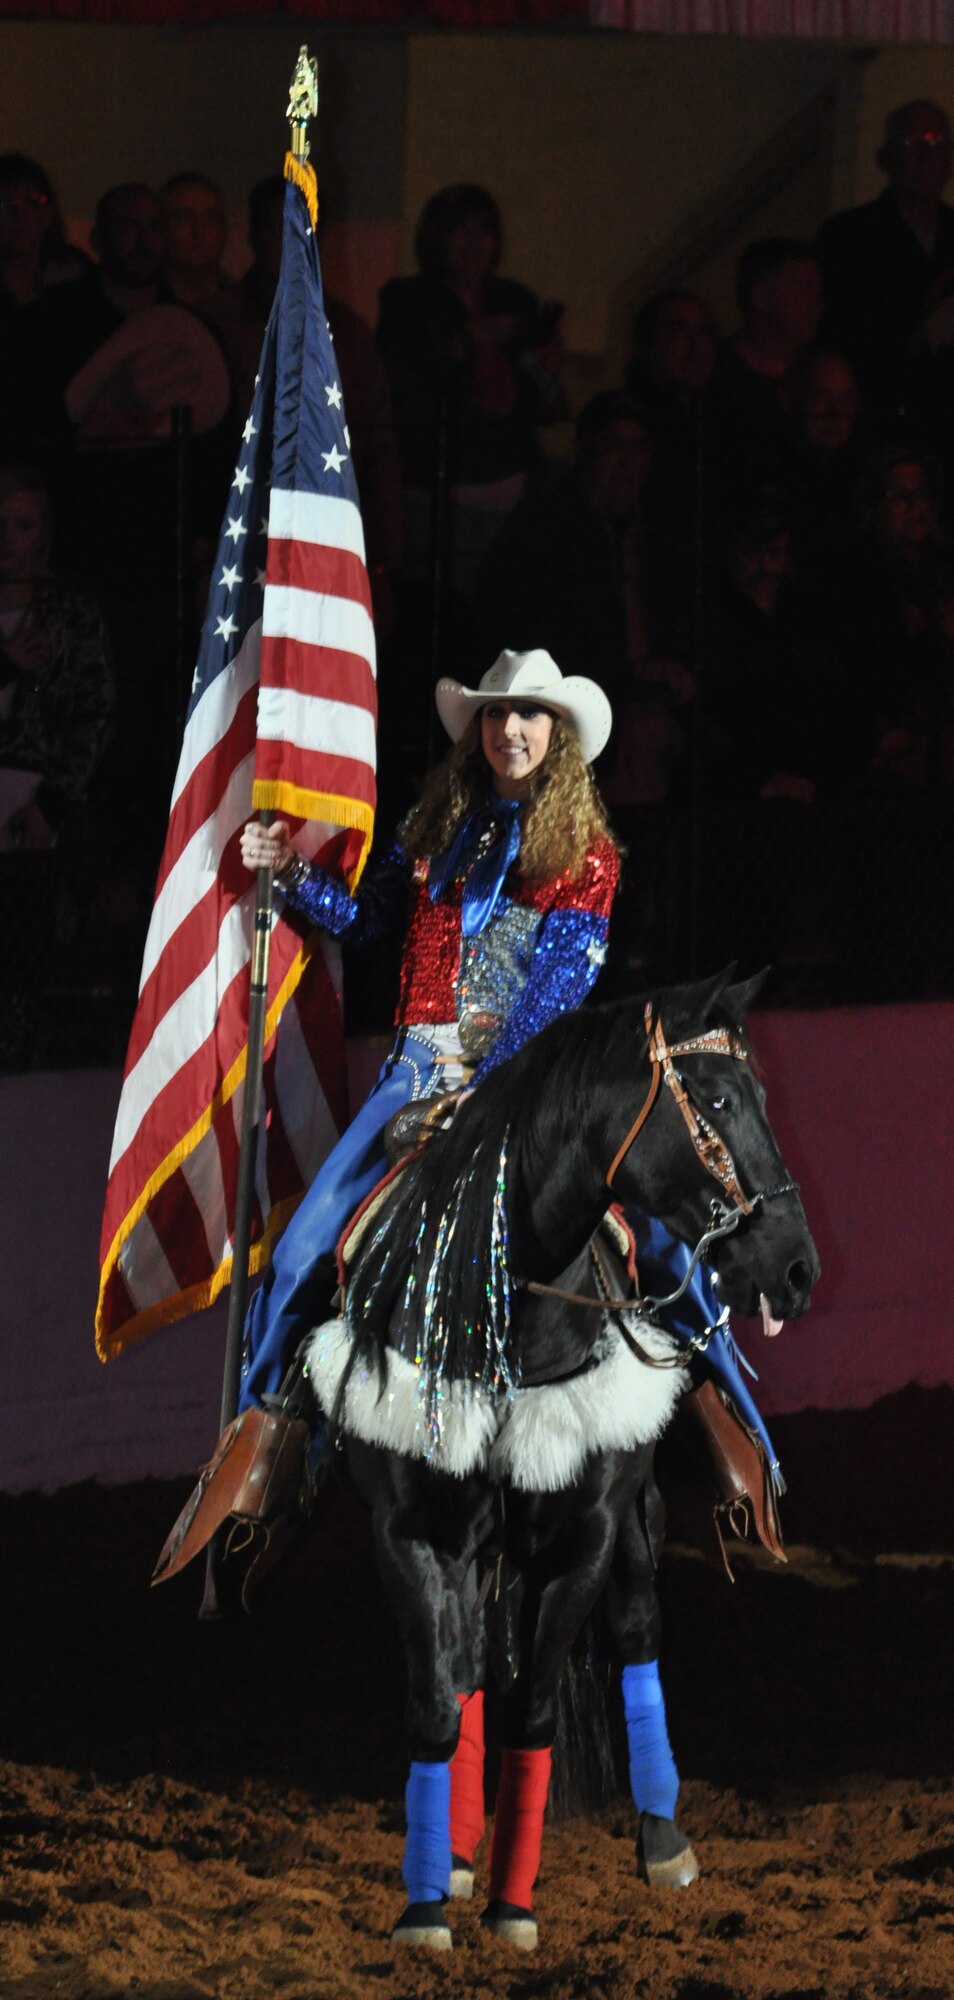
(750, 549)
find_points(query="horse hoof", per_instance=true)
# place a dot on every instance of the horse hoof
(423, 1924)
(462, 1879)
(511, 1924)
(664, 1855)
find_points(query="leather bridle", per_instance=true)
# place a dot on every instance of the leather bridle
(710, 1148)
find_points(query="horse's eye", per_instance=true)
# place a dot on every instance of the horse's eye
(719, 1104)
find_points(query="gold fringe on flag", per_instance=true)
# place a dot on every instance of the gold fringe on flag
(302, 173)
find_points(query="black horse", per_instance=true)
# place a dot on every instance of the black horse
(487, 1391)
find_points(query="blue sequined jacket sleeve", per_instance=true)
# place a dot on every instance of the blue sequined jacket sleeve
(379, 910)
(570, 949)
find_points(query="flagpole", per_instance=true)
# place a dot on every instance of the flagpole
(302, 106)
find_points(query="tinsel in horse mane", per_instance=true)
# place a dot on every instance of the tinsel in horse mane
(435, 1278)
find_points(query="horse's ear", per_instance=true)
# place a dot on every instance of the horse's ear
(691, 1005)
(739, 998)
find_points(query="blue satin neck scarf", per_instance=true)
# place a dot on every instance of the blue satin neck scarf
(485, 871)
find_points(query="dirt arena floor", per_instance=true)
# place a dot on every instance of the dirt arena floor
(191, 1810)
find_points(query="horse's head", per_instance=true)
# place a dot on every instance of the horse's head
(706, 1149)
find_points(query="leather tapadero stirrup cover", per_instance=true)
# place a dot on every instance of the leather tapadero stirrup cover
(742, 1474)
(256, 1473)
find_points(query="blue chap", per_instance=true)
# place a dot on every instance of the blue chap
(295, 1294)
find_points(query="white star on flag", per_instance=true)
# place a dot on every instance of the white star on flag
(250, 431)
(334, 395)
(242, 478)
(224, 627)
(334, 459)
(235, 529)
(230, 577)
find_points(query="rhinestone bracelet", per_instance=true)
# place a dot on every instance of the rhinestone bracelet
(288, 878)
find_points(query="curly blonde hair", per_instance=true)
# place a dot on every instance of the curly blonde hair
(561, 821)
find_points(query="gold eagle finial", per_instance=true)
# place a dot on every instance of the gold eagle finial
(302, 101)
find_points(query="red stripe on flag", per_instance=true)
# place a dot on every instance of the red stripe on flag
(313, 566)
(322, 671)
(208, 782)
(186, 954)
(314, 771)
(178, 1222)
(118, 1304)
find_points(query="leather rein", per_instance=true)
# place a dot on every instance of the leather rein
(709, 1148)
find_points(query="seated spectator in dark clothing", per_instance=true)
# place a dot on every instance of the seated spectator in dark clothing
(897, 620)
(471, 363)
(56, 709)
(780, 300)
(240, 316)
(777, 747)
(819, 461)
(113, 360)
(56, 685)
(34, 253)
(571, 565)
(194, 232)
(774, 695)
(884, 263)
(674, 350)
(673, 357)
(240, 312)
(34, 258)
(67, 328)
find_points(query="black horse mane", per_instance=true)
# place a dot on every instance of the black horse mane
(434, 1275)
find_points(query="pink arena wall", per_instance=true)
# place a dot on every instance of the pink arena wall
(862, 1100)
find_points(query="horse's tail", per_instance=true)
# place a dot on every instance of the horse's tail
(589, 1749)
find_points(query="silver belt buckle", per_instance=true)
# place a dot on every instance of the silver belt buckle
(478, 1030)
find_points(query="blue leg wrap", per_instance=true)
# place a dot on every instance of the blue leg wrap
(427, 1850)
(653, 1778)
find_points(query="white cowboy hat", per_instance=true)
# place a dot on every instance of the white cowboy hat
(530, 676)
(158, 358)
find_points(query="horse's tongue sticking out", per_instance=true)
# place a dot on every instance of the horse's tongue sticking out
(770, 1326)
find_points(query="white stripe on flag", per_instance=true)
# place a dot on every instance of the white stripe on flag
(310, 722)
(309, 1126)
(317, 619)
(317, 518)
(184, 1026)
(197, 866)
(211, 720)
(202, 1170)
(146, 1270)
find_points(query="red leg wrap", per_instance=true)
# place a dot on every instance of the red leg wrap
(467, 1779)
(518, 1826)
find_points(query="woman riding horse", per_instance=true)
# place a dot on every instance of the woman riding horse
(503, 878)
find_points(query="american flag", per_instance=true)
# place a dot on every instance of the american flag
(281, 716)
